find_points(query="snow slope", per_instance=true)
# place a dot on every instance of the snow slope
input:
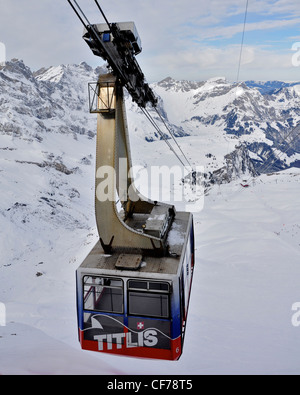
(247, 239)
(246, 280)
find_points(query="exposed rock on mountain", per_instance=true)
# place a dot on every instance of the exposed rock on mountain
(223, 115)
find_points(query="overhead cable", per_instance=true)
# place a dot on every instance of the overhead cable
(242, 43)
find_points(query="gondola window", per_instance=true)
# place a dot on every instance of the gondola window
(103, 294)
(147, 298)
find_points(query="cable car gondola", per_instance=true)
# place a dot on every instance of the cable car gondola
(136, 305)
(133, 288)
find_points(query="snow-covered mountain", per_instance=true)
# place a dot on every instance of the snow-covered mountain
(48, 100)
(223, 115)
(269, 87)
(245, 285)
(265, 124)
(47, 135)
(247, 239)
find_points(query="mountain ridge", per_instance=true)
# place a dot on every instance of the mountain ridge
(55, 99)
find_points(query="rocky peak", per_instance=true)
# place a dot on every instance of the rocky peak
(17, 69)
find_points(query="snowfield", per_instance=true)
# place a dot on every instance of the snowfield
(247, 269)
(246, 277)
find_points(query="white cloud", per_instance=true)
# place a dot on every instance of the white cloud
(206, 62)
(230, 31)
(176, 34)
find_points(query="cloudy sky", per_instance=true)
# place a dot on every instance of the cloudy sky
(190, 39)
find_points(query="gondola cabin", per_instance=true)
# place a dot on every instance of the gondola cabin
(135, 305)
(133, 289)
